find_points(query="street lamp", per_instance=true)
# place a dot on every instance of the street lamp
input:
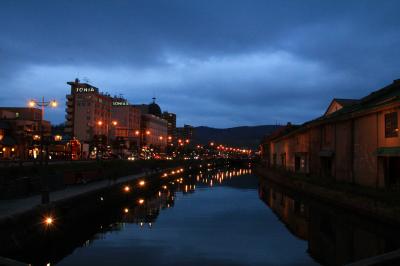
(113, 123)
(43, 180)
(42, 104)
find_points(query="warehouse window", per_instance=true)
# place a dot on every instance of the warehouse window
(391, 126)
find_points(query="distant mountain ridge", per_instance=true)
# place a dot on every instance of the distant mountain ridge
(244, 136)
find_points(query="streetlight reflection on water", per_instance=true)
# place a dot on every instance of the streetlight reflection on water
(151, 198)
(143, 206)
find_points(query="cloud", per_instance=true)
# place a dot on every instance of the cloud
(242, 86)
(221, 63)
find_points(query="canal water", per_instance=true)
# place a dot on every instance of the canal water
(211, 218)
(221, 216)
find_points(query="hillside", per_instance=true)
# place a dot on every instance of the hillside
(246, 136)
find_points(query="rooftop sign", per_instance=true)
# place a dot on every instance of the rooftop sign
(120, 103)
(85, 90)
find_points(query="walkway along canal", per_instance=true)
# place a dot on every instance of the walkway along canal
(207, 216)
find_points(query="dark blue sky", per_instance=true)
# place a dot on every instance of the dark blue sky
(217, 63)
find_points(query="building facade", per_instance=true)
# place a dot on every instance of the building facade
(21, 131)
(88, 112)
(154, 132)
(126, 128)
(171, 126)
(355, 141)
(185, 133)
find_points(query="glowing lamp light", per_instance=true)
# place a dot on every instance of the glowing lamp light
(147, 132)
(140, 201)
(114, 123)
(127, 189)
(126, 210)
(137, 132)
(54, 103)
(100, 123)
(48, 221)
(142, 183)
(31, 103)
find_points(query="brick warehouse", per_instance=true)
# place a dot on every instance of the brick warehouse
(355, 141)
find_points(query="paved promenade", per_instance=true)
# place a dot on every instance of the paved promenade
(15, 206)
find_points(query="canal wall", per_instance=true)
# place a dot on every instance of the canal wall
(10, 262)
(21, 181)
(372, 208)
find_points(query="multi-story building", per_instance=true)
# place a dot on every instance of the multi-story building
(185, 133)
(126, 130)
(21, 131)
(171, 126)
(88, 112)
(154, 132)
(355, 141)
(154, 129)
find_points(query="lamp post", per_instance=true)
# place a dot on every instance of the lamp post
(43, 179)
(100, 123)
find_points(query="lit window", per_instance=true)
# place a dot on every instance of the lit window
(391, 125)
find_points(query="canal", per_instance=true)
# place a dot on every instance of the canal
(210, 218)
(222, 216)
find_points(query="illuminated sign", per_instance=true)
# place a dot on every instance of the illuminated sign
(120, 103)
(85, 90)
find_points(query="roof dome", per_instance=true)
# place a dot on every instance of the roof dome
(154, 108)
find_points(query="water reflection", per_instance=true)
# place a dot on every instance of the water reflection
(335, 236)
(145, 211)
(217, 219)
